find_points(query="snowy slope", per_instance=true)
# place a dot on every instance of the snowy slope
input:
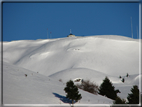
(92, 58)
(38, 89)
(50, 56)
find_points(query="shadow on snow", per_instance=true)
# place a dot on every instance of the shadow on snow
(63, 98)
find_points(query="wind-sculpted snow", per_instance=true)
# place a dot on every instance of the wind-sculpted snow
(50, 56)
(48, 61)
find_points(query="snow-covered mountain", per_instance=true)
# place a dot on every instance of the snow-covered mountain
(47, 61)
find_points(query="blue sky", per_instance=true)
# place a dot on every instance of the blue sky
(29, 21)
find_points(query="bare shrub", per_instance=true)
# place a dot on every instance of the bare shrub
(88, 86)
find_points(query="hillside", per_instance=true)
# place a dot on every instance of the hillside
(50, 56)
(37, 89)
(47, 61)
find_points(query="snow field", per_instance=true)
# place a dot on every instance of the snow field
(47, 61)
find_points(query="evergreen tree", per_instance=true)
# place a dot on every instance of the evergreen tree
(127, 75)
(72, 92)
(123, 80)
(133, 98)
(118, 100)
(107, 89)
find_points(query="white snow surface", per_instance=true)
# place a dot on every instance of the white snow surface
(47, 61)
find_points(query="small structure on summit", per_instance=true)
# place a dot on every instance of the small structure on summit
(71, 35)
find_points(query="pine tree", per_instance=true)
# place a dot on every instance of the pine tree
(133, 98)
(123, 80)
(127, 75)
(72, 92)
(107, 89)
(118, 100)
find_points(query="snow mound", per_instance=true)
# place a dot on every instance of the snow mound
(38, 89)
(97, 53)
(117, 37)
(83, 73)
